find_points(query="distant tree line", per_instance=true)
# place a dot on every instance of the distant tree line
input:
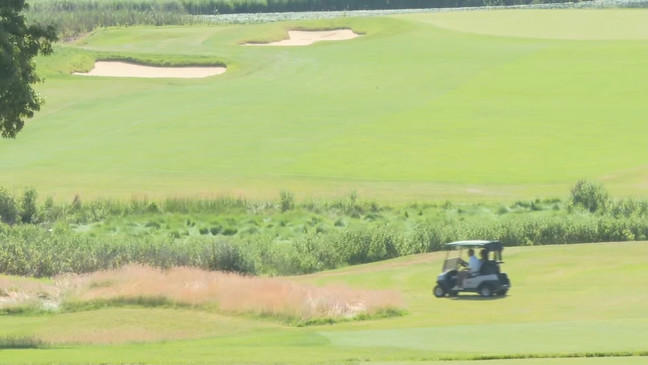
(74, 17)
(253, 6)
(196, 7)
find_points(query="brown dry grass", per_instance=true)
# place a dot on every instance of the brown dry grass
(230, 292)
(16, 292)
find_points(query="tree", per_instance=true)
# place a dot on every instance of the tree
(589, 195)
(19, 44)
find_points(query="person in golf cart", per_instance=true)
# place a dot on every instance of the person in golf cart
(471, 268)
(487, 266)
(482, 277)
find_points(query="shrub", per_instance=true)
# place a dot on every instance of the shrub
(286, 201)
(590, 196)
(628, 207)
(152, 224)
(313, 252)
(225, 256)
(76, 203)
(16, 342)
(8, 209)
(28, 210)
(216, 229)
(229, 231)
(153, 208)
(366, 245)
(50, 211)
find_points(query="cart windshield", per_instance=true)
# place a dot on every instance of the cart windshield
(452, 260)
(451, 264)
(455, 258)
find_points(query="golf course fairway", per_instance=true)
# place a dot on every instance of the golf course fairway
(483, 105)
(567, 303)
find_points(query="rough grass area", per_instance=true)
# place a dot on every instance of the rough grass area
(230, 293)
(185, 287)
(26, 295)
(565, 307)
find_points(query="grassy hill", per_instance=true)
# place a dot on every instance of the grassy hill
(470, 105)
(575, 300)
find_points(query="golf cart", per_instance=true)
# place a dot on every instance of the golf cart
(487, 282)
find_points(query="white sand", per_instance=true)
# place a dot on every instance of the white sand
(124, 69)
(305, 38)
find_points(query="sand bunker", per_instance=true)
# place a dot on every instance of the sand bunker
(305, 38)
(125, 69)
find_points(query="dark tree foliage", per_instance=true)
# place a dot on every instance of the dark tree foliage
(19, 44)
(590, 195)
(253, 6)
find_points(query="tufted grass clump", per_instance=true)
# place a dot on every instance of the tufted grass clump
(21, 342)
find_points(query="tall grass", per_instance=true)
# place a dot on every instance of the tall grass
(287, 237)
(227, 292)
(35, 251)
(24, 295)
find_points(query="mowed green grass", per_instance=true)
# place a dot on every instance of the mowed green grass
(565, 300)
(591, 24)
(471, 105)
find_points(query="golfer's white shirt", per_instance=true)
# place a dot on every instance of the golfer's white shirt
(474, 264)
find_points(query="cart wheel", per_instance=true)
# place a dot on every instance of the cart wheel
(439, 292)
(485, 291)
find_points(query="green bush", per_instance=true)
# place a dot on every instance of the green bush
(366, 245)
(152, 224)
(225, 256)
(286, 201)
(229, 231)
(76, 205)
(215, 229)
(628, 207)
(590, 196)
(312, 253)
(8, 209)
(28, 209)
